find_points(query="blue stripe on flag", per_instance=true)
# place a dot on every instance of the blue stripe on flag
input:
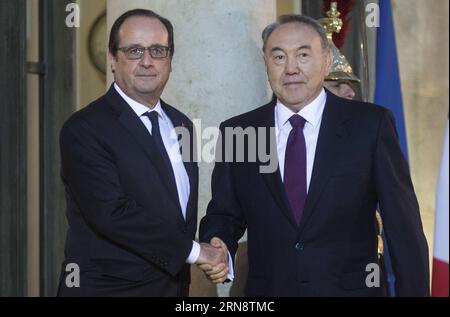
(388, 94)
(388, 89)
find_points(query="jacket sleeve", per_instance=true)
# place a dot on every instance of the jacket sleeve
(400, 213)
(224, 217)
(92, 179)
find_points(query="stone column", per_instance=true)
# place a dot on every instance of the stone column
(422, 31)
(218, 68)
(13, 151)
(57, 101)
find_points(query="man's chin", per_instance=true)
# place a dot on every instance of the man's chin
(295, 104)
(293, 100)
(145, 89)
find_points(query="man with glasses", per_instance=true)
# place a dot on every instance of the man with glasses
(131, 196)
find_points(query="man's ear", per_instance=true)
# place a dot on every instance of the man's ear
(265, 62)
(328, 62)
(112, 60)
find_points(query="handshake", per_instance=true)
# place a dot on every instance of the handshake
(213, 260)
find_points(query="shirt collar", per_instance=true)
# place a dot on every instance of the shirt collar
(139, 108)
(312, 112)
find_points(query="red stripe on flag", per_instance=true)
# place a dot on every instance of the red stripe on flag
(440, 279)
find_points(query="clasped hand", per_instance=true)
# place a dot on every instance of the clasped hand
(213, 260)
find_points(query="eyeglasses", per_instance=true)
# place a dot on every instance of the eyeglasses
(136, 52)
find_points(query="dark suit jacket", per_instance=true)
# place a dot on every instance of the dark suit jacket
(126, 229)
(358, 165)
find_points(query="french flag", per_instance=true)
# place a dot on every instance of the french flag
(388, 92)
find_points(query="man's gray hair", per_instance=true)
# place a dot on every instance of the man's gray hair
(296, 18)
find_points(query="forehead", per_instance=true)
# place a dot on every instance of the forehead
(143, 30)
(293, 35)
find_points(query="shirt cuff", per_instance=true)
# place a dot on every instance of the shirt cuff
(230, 275)
(195, 253)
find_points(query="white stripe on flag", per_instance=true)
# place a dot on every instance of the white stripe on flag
(442, 208)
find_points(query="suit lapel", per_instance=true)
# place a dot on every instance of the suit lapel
(273, 180)
(331, 135)
(131, 122)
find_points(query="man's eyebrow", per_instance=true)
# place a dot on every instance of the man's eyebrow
(276, 48)
(304, 47)
(132, 45)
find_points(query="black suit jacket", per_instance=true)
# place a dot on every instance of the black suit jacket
(358, 165)
(126, 229)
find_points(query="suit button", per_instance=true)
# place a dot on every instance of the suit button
(299, 246)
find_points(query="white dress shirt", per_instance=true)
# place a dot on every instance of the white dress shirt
(170, 140)
(312, 113)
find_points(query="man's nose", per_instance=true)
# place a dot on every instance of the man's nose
(347, 92)
(291, 66)
(146, 59)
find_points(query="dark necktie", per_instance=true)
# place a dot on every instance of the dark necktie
(295, 167)
(156, 136)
